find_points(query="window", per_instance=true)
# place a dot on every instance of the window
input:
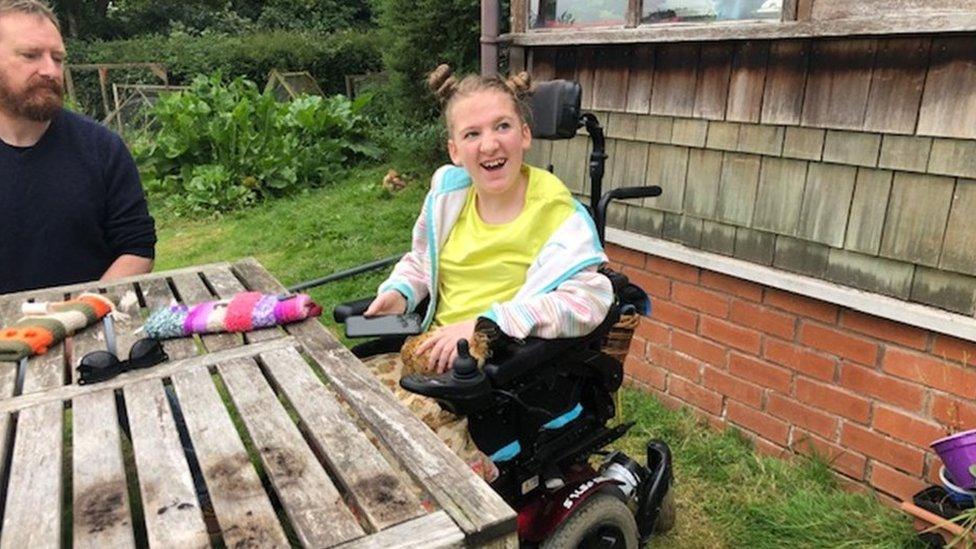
(670, 11)
(576, 13)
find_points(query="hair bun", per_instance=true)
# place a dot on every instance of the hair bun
(520, 84)
(442, 82)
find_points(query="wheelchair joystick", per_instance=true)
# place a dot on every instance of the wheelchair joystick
(465, 366)
(463, 390)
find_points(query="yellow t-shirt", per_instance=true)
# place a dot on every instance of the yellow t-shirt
(481, 264)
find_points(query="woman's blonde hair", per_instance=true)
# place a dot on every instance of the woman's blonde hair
(448, 89)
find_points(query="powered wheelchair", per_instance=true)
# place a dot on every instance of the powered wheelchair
(542, 409)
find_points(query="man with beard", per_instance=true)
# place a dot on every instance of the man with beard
(72, 207)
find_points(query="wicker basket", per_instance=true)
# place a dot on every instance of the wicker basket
(617, 342)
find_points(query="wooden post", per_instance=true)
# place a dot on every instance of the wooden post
(118, 107)
(789, 10)
(520, 12)
(634, 8)
(69, 85)
(103, 83)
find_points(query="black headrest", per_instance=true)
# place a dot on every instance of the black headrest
(556, 109)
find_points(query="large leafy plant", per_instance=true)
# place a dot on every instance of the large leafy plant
(224, 145)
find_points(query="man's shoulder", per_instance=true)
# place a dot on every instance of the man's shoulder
(80, 133)
(76, 122)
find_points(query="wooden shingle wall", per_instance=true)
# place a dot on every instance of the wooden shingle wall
(851, 160)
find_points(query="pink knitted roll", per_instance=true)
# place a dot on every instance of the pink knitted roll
(239, 310)
(296, 308)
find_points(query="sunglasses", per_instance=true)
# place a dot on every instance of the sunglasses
(101, 365)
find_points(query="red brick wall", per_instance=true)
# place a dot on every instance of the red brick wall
(801, 375)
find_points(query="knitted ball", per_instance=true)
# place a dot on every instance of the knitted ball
(166, 322)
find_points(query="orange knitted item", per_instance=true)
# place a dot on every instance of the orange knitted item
(36, 337)
(46, 324)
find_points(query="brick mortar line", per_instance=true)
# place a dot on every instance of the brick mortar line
(912, 314)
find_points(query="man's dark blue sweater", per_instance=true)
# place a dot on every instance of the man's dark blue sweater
(69, 206)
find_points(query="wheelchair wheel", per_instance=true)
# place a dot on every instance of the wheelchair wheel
(602, 521)
(667, 515)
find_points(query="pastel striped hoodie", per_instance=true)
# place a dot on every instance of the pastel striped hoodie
(563, 294)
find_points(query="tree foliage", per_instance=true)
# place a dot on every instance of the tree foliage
(114, 19)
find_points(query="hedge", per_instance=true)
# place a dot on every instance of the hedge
(329, 58)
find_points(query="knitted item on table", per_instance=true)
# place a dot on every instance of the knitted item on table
(47, 324)
(244, 312)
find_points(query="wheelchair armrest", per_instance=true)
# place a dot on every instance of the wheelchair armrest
(351, 308)
(521, 359)
(528, 356)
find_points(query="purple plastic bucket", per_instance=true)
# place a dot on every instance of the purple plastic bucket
(958, 453)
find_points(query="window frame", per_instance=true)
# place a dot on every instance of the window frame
(632, 18)
(795, 23)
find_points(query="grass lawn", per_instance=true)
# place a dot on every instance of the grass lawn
(726, 496)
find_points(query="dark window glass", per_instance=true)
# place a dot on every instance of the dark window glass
(576, 13)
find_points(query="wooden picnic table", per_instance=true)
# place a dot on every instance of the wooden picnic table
(278, 437)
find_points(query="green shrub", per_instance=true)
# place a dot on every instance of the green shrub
(222, 146)
(420, 34)
(328, 57)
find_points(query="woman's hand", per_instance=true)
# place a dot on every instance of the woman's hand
(390, 302)
(442, 345)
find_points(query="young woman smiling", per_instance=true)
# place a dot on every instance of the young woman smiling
(496, 238)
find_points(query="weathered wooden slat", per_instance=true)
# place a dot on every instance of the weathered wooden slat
(675, 76)
(8, 381)
(81, 286)
(100, 507)
(192, 291)
(585, 66)
(948, 109)
(364, 473)
(566, 63)
(33, 508)
(641, 80)
(160, 371)
(747, 82)
(896, 85)
(786, 76)
(226, 285)
(610, 79)
(430, 531)
(243, 510)
(312, 503)
(470, 502)
(713, 81)
(957, 252)
(45, 371)
(157, 294)
(169, 501)
(9, 309)
(838, 84)
(918, 210)
(543, 64)
(845, 9)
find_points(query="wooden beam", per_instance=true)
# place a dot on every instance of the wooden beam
(520, 14)
(789, 10)
(634, 8)
(748, 30)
